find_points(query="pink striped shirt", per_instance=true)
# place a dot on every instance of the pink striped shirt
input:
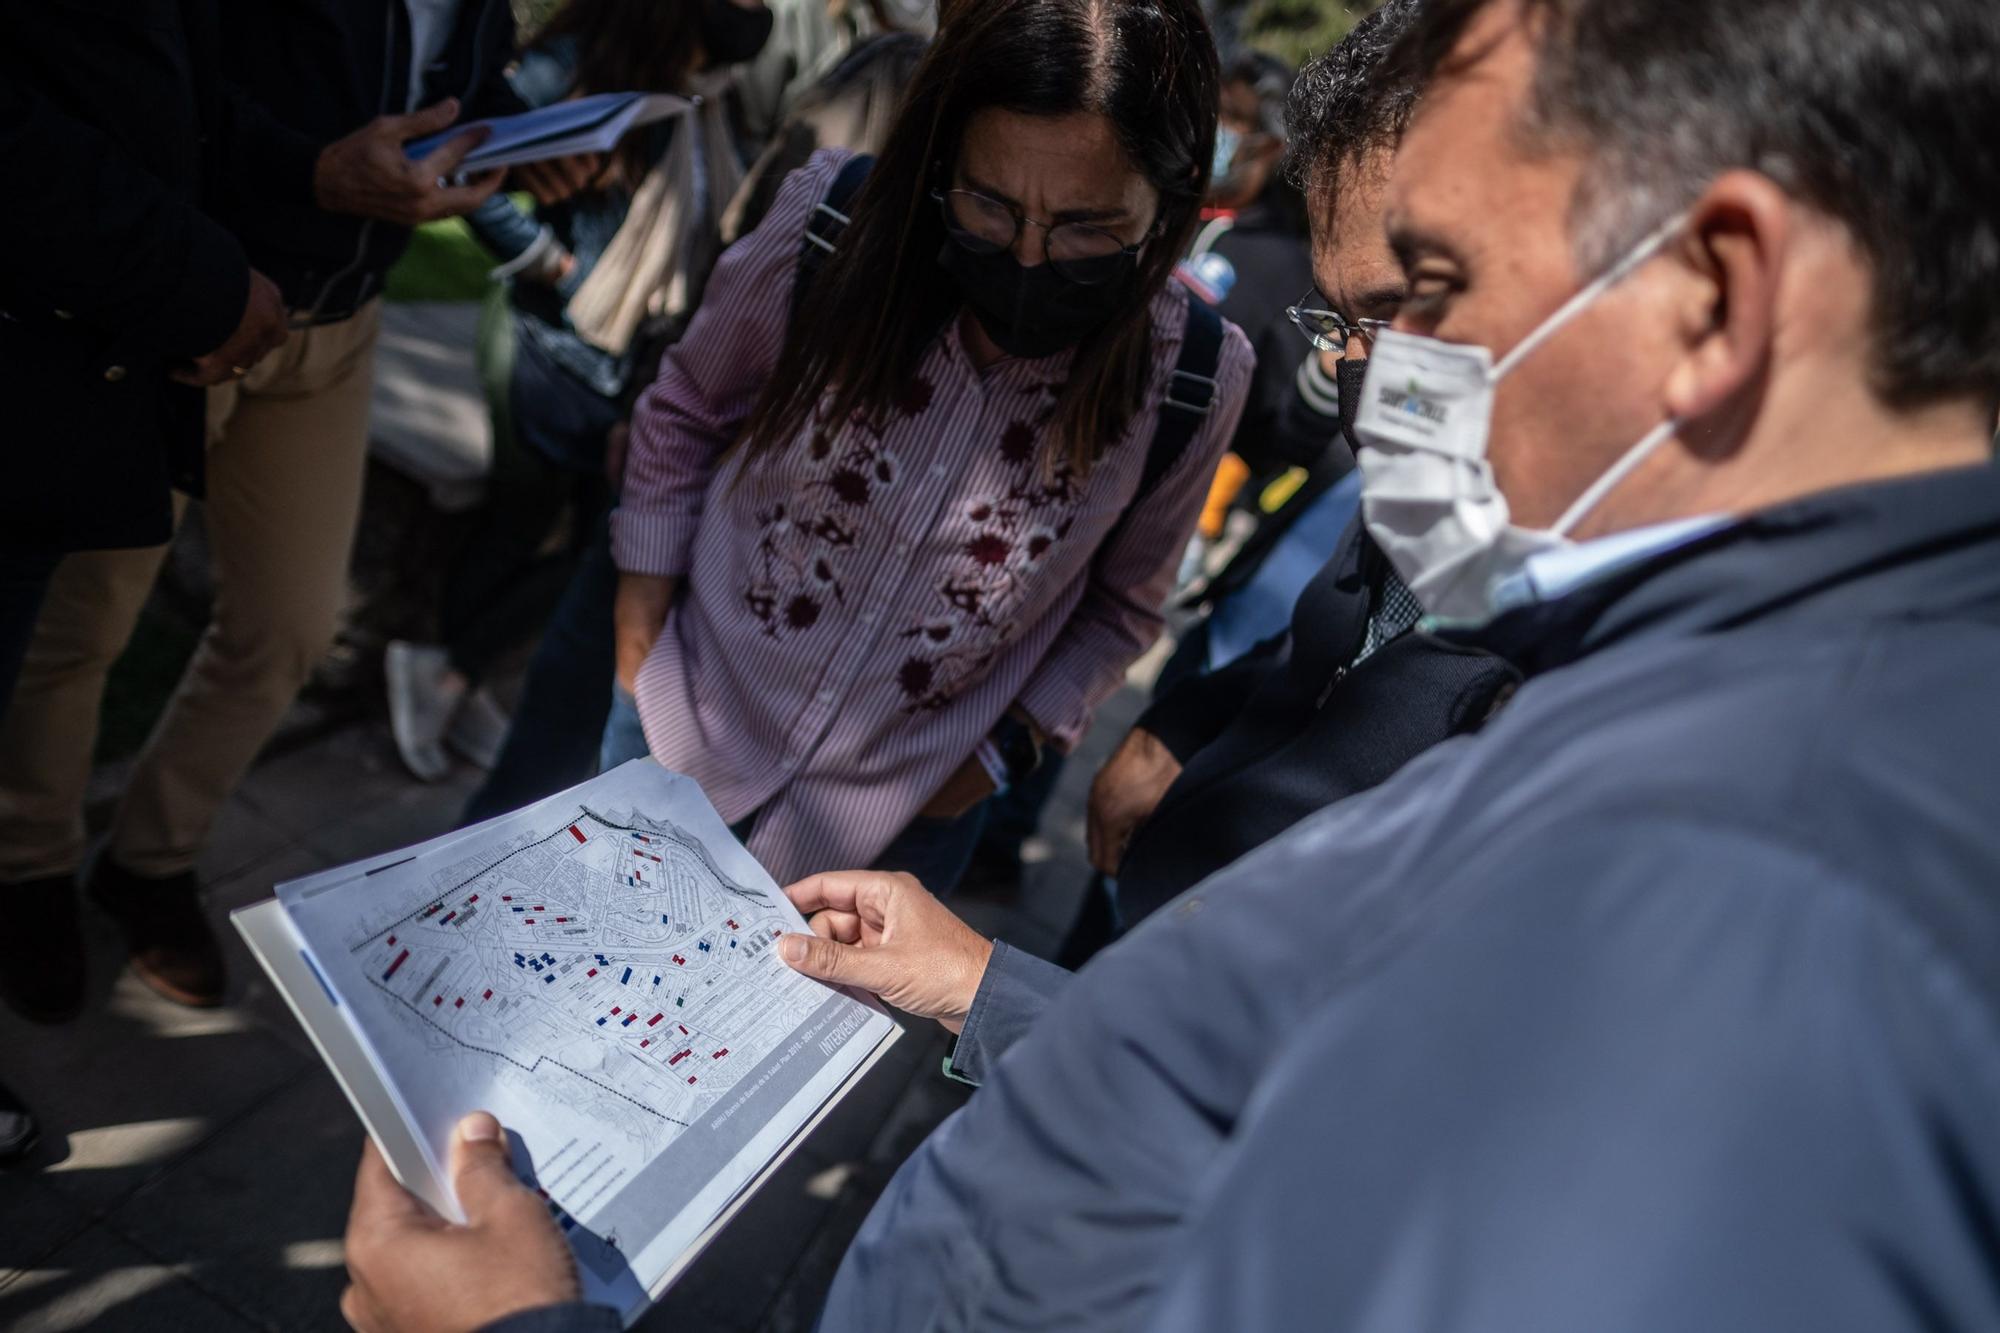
(857, 613)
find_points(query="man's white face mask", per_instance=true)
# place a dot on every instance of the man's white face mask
(1427, 491)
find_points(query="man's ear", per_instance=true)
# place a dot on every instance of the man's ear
(1734, 250)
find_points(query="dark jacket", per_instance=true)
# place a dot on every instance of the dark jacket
(1289, 729)
(1668, 1001)
(325, 68)
(113, 127)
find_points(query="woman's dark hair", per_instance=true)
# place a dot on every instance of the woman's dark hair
(861, 330)
(628, 46)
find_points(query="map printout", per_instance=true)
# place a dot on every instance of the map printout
(599, 971)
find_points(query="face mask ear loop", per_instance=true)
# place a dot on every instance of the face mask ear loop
(1620, 470)
(1571, 308)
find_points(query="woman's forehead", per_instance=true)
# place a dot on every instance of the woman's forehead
(1058, 163)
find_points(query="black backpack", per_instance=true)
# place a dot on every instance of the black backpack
(1190, 391)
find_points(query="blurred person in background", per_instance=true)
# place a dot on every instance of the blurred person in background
(809, 40)
(1290, 447)
(321, 205)
(1250, 259)
(597, 281)
(852, 106)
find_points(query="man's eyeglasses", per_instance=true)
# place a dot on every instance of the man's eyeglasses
(1328, 330)
(1086, 255)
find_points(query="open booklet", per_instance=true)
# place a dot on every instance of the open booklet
(581, 125)
(599, 971)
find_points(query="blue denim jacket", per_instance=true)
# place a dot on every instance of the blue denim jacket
(582, 224)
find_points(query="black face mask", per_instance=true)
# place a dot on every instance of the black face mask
(1030, 312)
(1348, 376)
(731, 34)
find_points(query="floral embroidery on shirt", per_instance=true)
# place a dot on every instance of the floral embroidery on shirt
(796, 571)
(992, 575)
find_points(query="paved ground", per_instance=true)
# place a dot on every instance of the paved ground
(195, 1168)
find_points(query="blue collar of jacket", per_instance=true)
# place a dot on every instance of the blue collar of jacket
(1924, 547)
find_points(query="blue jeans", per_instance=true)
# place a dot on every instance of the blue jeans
(936, 851)
(624, 739)
(553, 742)
(548, 458)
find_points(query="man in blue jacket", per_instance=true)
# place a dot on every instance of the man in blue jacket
(1672, 999)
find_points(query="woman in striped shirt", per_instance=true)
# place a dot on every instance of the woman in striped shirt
(879, 550)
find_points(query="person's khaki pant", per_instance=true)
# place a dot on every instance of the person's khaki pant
(286, 446)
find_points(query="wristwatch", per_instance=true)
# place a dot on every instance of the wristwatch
(1018, 748)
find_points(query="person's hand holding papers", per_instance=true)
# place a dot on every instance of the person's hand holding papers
(412, 1270)
(368, 174)
(555, 179)
(888, 935)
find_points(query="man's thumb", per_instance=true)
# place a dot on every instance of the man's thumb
(833, 962)
(482, 1176)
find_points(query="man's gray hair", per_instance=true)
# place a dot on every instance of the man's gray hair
(1881, 117)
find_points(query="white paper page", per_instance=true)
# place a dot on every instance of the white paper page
(598, 971)
(278, 949)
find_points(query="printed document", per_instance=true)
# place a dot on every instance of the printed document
(598, 970)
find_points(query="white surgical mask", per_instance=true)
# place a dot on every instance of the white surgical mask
(1428, 494)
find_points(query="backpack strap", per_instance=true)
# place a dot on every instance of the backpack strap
(1190, 394)
(827, 221)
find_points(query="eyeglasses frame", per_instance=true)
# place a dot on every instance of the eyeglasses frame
(1323, 339)
(1021, 220)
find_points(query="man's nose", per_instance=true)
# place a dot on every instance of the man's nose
(1031, 247)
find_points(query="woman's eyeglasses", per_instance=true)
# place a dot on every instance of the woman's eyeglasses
(1328, 330)
(1083, 254)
